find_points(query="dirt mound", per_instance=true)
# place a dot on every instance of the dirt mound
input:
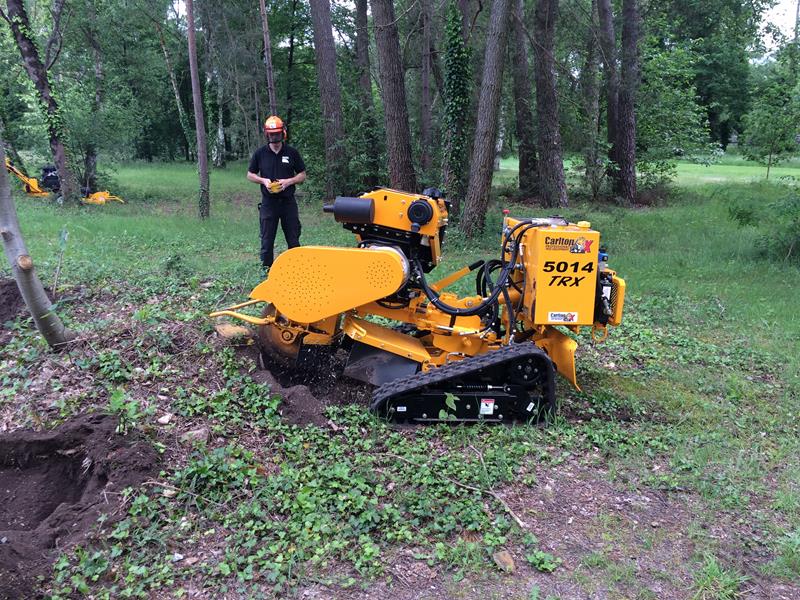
(307, 391)
(11, 302)
(54, 485)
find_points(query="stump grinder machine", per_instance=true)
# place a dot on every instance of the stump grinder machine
(433, 355)
(51, 184)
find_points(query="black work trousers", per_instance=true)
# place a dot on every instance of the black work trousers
(270, 213)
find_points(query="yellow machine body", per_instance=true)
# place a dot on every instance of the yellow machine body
(554, 280)
(31, 184)
(304, 282)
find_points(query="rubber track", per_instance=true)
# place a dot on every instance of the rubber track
(460, 368)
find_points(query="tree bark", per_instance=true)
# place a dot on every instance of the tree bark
(480, 180)
(608, 47)
(552, 185)
(523, 97)
(590, 91)
(625, 184)
(204, 203)
(39, 305)
(330, 97)
(21, 28)
(273, 102)
(425, 83)
(395, 109)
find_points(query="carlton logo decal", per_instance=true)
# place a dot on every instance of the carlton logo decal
(576, 246)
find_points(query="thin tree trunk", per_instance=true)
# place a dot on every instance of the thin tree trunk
(626, 133)
(330, 97)
(501, 140)
(398, 135)
(219, 142)
(552, 186)
(183, 118)
(425, 82)
(273, 102)
(591, 107)
(21, 28)
(369, 129)
(204, 203)
(213, 82)
(480, 180)
(90, 152)
(523, 97)
(41, 309)
(289, 67)
(608, 47)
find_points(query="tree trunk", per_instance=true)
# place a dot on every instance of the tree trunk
(204, 203)
(273, 102)
(395, 110)
(289, 68)
(523, 97)
(219, 142)
(362, 54)
(590, 91)
(330, 97)
(457, 98)
(369, 130)
(608, 47)
(21, 28)
(552, 186)
(213, 82)
(183, 118)
(501, 140)
(41, 309)
(626, 133)
(90, 151)
(480, 179)
(425, 83)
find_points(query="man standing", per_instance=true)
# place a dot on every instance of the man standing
(278, 168)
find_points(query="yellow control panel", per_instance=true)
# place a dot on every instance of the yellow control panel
(562, 273)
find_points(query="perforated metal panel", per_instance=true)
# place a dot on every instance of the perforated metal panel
(313, 282)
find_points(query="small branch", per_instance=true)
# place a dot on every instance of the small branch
(491, 493)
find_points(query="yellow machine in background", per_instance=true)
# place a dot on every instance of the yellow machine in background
(50, 184)
(432, 354)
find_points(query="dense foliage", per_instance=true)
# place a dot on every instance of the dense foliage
(705, 80)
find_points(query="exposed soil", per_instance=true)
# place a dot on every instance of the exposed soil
(10, 302)
(54, 485)
(307, 390)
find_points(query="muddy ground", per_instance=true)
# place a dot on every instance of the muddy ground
(53, 487)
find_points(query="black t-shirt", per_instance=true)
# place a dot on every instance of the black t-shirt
(286, 163)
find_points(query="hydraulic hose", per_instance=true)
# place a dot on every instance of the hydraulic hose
(487, 302)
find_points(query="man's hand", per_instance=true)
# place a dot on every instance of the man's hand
(285, 183)
(265, 182)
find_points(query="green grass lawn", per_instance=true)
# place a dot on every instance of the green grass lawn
(692, 404)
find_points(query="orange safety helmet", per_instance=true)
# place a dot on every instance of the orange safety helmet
(274, 124)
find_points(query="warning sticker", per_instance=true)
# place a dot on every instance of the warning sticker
(562, 317)
(487, 406)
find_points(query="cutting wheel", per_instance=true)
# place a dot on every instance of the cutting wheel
(278, 344)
